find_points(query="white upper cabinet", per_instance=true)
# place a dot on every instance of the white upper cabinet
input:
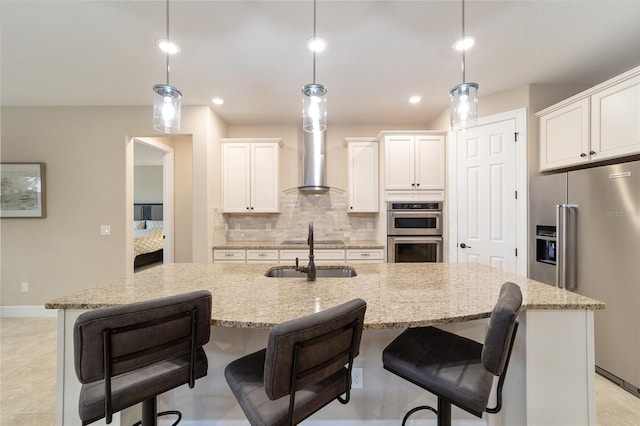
(564, 136)
(250, 175)
(597, 124)
(363, 175)
(615, 127)
(414, 162)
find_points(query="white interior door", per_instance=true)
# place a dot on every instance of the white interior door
(486, 195)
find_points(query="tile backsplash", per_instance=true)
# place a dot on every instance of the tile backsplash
(327, 211)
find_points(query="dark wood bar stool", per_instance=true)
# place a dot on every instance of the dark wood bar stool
(306, 365)
(129, 354)
(458, 370)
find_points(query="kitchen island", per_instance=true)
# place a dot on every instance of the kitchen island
(550, 380)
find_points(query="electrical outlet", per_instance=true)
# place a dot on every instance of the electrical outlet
(267, 226)
(369, 226)
(357, 378)
(24, 287)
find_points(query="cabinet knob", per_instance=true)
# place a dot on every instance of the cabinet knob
(592, 153)
(351, 207)
(247, 207)
(417, 184)
(583, 155)
(413, 184)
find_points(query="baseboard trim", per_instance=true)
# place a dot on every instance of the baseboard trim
(27, 311)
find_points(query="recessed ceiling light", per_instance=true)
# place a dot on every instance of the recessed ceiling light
(464, 43)
(316, 44)
(168, 46)
(217, 100)
(415, 99)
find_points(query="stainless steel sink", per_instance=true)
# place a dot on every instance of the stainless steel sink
(321, 272)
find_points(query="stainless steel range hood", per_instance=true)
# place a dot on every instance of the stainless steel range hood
(313, 163)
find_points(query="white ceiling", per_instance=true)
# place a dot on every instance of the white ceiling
(253, 53)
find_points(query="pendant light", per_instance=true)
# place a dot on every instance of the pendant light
(166, 100)
(314, 100)
(464, 98)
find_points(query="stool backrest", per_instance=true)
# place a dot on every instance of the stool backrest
(308, 349)
(497, 342)
(137, 335)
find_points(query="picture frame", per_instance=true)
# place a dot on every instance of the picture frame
(22, 190)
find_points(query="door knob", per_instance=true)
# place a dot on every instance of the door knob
(463, 245)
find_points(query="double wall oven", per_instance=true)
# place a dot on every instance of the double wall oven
(414, 232)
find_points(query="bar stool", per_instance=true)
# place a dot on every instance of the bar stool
(306, 365)
(128, 354)
(458, 370)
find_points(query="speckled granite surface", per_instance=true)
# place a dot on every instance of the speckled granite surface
(271, 245)
(398, 295)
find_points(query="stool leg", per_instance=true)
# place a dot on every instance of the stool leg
(149, 412)
(444, 412)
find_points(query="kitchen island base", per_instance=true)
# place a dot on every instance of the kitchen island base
(551, 378)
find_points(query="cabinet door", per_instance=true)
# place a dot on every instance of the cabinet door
(363, 177)
(564, 136)
(398, 160)
(615, 120)
(236, 159)
(264, 178)
(429, 162)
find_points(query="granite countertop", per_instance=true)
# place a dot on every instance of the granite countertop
(301, 245)
(398, 295)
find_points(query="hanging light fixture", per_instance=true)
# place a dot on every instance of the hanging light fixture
(464, 98)
(314, 101)
(166, 100)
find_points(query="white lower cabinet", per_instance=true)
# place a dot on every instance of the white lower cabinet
(321, 256)
(288, 256)
(229, 256)
(365, 256)
(262, 256)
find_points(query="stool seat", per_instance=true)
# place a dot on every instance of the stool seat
(246, 378)
(130, 354)
(458, 370)
(130, 388)
(444, 364)
(306, 365)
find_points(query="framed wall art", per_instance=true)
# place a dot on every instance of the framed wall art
(22, 190)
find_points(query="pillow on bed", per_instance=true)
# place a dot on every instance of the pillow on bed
(154, 224)
(138, 224)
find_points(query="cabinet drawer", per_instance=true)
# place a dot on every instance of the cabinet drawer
(228, 256)
(262, 255)
(303, 255)
(365, 254)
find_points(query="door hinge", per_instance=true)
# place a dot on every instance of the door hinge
(515, 135)
(516, 252)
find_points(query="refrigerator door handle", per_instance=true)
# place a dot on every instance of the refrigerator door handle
(562, 223)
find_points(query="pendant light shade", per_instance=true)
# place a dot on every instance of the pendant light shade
(314, 99)
(464, 98)
(166, 108)
(464, 106)
(314, 108)
(166, 100)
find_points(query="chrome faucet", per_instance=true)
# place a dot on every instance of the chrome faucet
(310, 269)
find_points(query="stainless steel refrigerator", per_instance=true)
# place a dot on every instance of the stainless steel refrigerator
(585, 236)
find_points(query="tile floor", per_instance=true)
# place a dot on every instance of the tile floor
(28, 379)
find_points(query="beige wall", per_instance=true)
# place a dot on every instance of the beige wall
(85, 150)
(147, 187)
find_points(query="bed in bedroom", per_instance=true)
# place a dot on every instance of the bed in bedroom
(148, 235)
